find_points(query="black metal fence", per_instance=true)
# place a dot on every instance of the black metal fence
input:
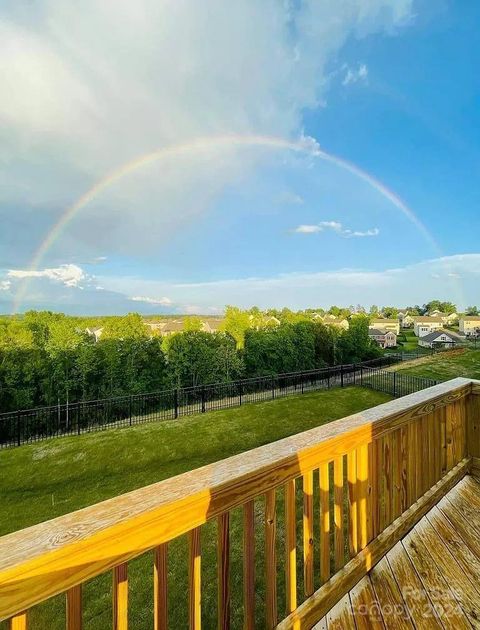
(21, 427)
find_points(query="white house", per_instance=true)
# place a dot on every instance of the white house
(469, 325)
(447, 318)
(424, 325)
(384, 338)
(385, 324)
(337, 322)
(440, 337)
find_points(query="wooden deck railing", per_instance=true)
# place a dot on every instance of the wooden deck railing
(365, 481)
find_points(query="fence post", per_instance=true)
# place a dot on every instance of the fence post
(203, 398)
(394, 384)
(273, 388)
(361, 375)
(130, 410)
(78, 418)
(354, 374)
(302, 376)
(175, 402)
(18, 429)
(341, 375)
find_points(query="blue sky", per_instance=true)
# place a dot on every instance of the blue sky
(389, 87)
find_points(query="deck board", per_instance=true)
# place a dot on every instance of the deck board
(429, 580)
(365, 606)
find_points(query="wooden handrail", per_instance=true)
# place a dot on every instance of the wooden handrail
(54, 557)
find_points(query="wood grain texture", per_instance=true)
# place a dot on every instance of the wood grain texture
(249, 566)
(362, 494)
(52, 557)
(270, 560)
(341, 616)
(195, 579)
(223, 571)
(19, 622)
(308, 533)
(324, 522)
(73, 611)
(352, 503)
(365, 606)
(392, 607)
(338, 498)
(317, 606)
(290, 547)
(420, 608)
(120, 597)
(160, 588)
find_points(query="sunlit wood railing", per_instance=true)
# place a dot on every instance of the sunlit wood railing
(365, 481)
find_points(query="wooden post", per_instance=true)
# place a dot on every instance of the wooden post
(223, 570)
(160, 599)
(249, 566)
(308, 532)
(120, 597)
(74, 608)
(270, 561)
(290, 547)
(194, 579)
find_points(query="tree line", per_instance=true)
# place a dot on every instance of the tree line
(48, 358)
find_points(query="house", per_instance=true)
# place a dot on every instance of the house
(438, 338)
(156, 326)
(424, 325)
(469, 325)
(384, 338)
(447, 318)
(172, 327)
(212, 325)
(94, 331)
(385, 324)
(337, 322)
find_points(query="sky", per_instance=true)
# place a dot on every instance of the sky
(179, 156)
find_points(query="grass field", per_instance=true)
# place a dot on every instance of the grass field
(44, 480)
(443, 367)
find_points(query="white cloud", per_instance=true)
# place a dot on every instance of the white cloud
(164, 301)
(449, 278)
(5, 285)
(354, 76)
(336, 227)
(87, 87)
(68, 275)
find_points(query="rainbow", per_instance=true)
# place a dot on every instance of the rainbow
(303, 145)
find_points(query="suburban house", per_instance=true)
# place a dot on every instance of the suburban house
(424, 325)
(172, 327)
(156, 326)
(438, 338)
(447, 318)
(384, 338)
(338, 322)
(469, 325)
(212, 325)
(385, 324)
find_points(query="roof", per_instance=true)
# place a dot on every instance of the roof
(175, 326)
(438, 333)
(427, 320)
(470, 318)
(375, 332)
(384, 320)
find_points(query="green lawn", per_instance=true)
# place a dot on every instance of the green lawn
(443, 367)
(44, 480)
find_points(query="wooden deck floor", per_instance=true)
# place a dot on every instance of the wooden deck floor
(430, 579)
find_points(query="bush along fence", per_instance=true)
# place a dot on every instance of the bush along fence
(24, 426)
